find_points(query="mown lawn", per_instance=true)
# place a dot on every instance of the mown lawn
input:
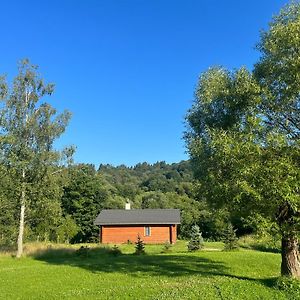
(208, 274)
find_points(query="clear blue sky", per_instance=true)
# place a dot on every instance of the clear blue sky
(127, 69)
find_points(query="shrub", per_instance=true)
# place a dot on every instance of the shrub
(230, 238)
(167, 247)
(139, 246)
(196, 241)
(83, 251)
(115, 251)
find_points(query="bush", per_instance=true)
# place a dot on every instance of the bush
(139, 246)
(196, 241)
(167, 247)
(115, 251)
(83, 251)
(230, 238)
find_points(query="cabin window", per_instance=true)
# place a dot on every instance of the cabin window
(147, 231)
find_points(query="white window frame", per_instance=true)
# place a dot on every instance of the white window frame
(145, 231)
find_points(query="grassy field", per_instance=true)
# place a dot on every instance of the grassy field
(54, 272)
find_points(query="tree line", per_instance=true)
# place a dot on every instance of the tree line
(72, 196)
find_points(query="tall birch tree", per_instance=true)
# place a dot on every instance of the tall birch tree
(28, 127)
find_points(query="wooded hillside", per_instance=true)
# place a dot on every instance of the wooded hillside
(77, 193)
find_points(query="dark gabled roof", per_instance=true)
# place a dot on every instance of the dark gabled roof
(138, 216)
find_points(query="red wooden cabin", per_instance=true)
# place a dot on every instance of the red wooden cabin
(155, 226)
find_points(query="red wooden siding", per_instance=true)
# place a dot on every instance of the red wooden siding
(121, 234)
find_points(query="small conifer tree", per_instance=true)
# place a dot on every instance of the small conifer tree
(167, 247)
(230, 238)
(139, 246)
(196, 241)
(115, 251)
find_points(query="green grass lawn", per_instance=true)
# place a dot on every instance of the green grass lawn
(207, 274)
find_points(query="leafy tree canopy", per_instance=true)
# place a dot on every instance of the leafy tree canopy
(243, 135)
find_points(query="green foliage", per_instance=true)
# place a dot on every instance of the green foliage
(160, 185)
(67, 230)
(115, 250)
(196, 241)
(139, 246)
(8, 209)
(230, 239)
(83, 251)
(243, 135)
(277, 72)
(264, 244)
(83, 198)
(29, 127)
(212, 222)
(167, 248)
(267, 234)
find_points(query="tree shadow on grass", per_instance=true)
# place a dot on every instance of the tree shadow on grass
(268, 282)
(101, 260)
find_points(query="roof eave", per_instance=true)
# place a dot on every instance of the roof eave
(139, 223)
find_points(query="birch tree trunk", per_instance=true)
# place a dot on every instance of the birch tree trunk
(22, 217)
(23, 191)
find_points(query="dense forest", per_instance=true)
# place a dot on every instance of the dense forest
(67, 207)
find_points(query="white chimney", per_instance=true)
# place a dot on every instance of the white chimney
(127, 205)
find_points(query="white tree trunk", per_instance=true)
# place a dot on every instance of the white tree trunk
(22, 218)
(23, 191)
